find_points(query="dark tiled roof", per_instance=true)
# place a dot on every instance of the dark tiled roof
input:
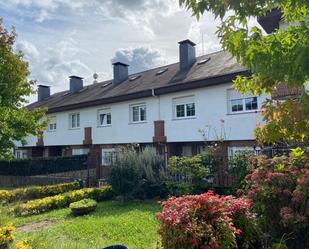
(219, 65)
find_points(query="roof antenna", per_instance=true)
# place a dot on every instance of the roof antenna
(95, 77)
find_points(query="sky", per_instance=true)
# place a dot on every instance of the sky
(60, 38)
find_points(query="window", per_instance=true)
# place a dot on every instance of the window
(52, 125)
(74, 120)
(138, 113)
(241, 103)
(21, 154)
(80, 151)
(104, 117)
(184, 107)
(233, 150)
(108, 156)
(187, 150)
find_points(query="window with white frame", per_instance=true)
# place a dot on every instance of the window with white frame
(80, 151)
(52, 125)
(74, 120)
(184, 107)
(108, 156)
(238, 103)
(138, 113)
(21, 154)
(104, 117)
(238, 149)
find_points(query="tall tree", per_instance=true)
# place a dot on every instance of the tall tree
(281, 57)
(16, 122)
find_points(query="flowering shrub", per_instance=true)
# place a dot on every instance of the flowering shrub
(62, 200)
(22, 245)
(279, 188)
(6, 235)
(205, 221)
(36, 192)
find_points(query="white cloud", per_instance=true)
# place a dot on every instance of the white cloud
(53, 64)
(140, 58)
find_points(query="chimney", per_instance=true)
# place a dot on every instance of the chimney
(186, 54)
(43, 92)
(76, 83)
(120, 72)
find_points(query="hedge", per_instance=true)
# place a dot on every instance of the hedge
(35, 192)
(62, 200)
(40, 166)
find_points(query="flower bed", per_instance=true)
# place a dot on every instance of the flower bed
(37, 192)
(83, 207)
(62, 200)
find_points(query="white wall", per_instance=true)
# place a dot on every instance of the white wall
(211, 107)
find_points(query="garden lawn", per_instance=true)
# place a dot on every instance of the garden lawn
(130, 223)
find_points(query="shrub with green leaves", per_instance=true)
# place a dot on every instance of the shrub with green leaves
(238, 168)
(62, 200)
(35, 192)
(41, 166)
(199, 169)
(83, 207)
(138, 174)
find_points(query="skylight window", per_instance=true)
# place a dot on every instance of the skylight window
(106, 84)
(84, 89)
(203, 61)
(161, 71)
(134, 77)
(65, 94)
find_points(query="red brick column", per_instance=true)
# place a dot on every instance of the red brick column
(159, 132)
(87, 136)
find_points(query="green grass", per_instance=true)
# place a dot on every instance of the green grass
(130, 223)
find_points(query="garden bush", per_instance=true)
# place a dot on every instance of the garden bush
(238, 168)
(199, 170)
(62, 200)
(279, 188)
(40, 166)
(138, 174)
(37, 191)
(83, 207)
(206, 221)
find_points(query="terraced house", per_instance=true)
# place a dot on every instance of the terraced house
(165, 107)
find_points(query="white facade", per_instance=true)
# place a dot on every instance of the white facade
(211, 109)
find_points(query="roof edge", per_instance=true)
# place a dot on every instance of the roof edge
(210, 81)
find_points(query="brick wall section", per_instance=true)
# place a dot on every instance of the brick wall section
(87, 136)
(159, 132)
